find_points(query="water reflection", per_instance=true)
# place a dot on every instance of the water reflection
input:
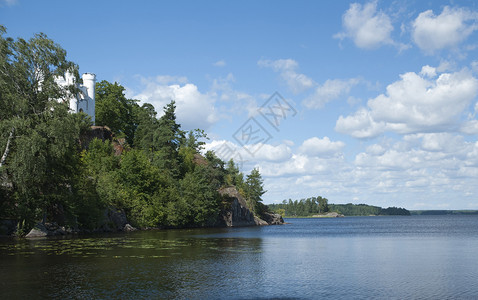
(350, 258)
(164, 264)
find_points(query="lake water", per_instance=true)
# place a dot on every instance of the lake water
(416, 257)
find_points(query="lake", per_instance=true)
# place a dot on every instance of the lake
(415, 257)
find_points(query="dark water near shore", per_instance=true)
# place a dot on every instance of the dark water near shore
(417, 257)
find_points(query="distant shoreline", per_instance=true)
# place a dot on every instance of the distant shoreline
(436, 212)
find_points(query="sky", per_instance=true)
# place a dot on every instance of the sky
(370, 102)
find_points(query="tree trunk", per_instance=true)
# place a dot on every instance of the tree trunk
(7, 148)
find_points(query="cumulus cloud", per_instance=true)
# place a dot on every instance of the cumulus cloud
(193, 108)
(438, 164)
(288, 71)
(366, 26)
(220, 63)
(360, 125)
(321, 147)
(413, 104)
(447, 30)
(272, 153)
(470, 127)
(331, 89)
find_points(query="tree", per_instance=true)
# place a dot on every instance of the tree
(201, 198)
(190, 147)
(148, 124)
(38, 137)
(323, 204)
(112, 109)
(167, 140)
(233, 175)
(254, 189)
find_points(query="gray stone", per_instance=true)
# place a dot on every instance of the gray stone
(38, 231)
(237, 214)
(129, 228)
(272, 218)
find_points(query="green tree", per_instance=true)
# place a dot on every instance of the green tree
(189, 150)
(201, 198)
(38, 137)
(148, 125)
(254, 189)
(114, 110)
(323, 204)
(233, 175)
(167, 139)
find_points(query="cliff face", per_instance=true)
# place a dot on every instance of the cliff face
(237, 214)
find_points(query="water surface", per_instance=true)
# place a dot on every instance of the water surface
(418, 257)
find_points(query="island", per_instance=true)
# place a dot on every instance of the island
(318, 207)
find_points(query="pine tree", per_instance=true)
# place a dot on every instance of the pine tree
(254, 189)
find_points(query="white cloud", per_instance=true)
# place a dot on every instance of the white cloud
(8, 2)
(470, 127)
(287, 68)
(415, 104)
(330, 90)
(238, 101)
(323, 147)
(443, 141)
(193, 108)
(428, 71)
(359, 125)
(447, 30)
(366, 26)
(271, 153)
(220, 63)
(443, 166)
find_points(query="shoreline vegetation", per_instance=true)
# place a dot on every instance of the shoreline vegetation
(319, 207)
(133, 170)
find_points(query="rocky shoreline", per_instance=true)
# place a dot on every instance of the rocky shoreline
(236, 214)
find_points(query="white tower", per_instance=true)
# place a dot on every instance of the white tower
(86, 102)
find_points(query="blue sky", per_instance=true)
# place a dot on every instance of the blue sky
(357, 101)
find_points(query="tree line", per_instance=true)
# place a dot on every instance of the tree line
(162, 178)
(350, 209)
(301, 208)
(319, 205)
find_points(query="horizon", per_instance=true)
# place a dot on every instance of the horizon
(356, 101)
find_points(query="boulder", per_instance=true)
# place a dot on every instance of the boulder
(129, 228)
(38, 231)
(46, 229)
(237, 213)
(272, 218)
(260, 222)
(334, 215)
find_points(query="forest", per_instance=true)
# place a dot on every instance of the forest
(50, 171)
(319, 205)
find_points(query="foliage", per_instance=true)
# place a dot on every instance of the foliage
(301, 208)
(313, 206)
(39, 138)
(115, 111)
(254, 189)
(356, 209)
(160, 179)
